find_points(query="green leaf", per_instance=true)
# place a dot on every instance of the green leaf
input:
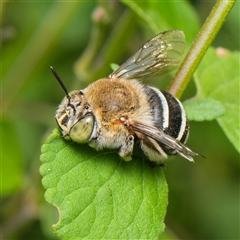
(203, 109)
(114, 66)
(218, 78)
(99, 196)
(165, 15)
(11, 159)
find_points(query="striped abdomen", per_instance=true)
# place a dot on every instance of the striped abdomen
(169, 117)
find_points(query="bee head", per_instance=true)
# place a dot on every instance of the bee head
(74, 116)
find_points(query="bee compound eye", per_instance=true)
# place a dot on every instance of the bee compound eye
(81, 131)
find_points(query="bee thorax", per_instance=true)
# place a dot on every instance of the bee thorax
(114, 102)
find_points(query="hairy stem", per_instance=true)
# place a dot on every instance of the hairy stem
(199, 47)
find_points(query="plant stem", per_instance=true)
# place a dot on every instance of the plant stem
(199, 47)
(43, 38)
(95, 61)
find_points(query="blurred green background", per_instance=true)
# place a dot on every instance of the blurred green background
(80, 40)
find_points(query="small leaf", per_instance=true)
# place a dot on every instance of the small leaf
(203, 109)
(218, 78)
(99, 196)
(114, 66)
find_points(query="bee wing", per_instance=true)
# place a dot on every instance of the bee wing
(162, 137)
(159, 55)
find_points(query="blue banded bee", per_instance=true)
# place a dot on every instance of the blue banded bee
(112, 112)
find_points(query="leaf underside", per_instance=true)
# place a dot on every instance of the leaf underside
(205, 109)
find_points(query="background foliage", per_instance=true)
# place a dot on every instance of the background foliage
(81, 39)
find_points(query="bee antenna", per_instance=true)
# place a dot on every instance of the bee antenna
(60, 81)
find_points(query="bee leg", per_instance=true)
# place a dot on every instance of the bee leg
(154, 164)
(126, 149)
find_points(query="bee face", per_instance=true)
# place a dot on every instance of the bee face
(75, 118)
(112, 112)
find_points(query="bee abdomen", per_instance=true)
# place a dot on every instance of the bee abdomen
(168, 114)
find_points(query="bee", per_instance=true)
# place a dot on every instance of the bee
(118, 111)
